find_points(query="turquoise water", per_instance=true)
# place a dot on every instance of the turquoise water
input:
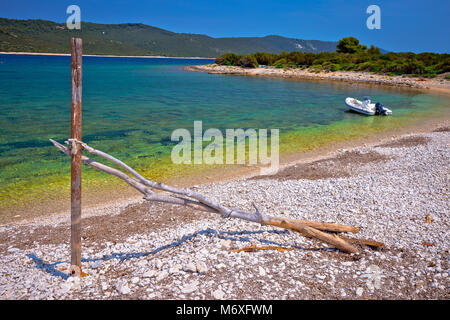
(132, 105)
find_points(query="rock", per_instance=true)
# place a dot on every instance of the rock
(161, 275)
(122, 287)
(190, 267)
(135, 280)
(74, 283)
(359, 291)
(65, 287)
(96, 264)
(158, 264)
(202, 267)
(218, 294)
(262, 271)
(142, 263)
(175, 269)
(104, 286)
(220, 266)
(225, 244)
(149, 274)
(190, 287)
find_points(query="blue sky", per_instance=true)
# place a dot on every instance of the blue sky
(405, 25)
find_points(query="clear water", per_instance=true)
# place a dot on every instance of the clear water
(132, 105)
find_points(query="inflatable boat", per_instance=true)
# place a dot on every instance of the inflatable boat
(367, 107)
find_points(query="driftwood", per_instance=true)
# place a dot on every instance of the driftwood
(254, 248)
(192, 199)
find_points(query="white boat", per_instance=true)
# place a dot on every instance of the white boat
(366, 107)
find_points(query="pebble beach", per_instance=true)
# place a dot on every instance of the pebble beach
(439, 84)
(395, 191)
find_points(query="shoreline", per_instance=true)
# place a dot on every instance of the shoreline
(343, 76)
(119, 196)
(100, 55)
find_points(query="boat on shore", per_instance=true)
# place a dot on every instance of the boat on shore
(367, 107)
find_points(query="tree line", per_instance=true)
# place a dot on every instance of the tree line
(350, 55)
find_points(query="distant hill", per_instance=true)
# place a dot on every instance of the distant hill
(139, 39)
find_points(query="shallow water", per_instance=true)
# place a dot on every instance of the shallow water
(132, 105)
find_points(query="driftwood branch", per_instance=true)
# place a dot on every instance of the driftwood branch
(192, 199)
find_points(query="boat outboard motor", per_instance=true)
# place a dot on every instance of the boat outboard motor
(379, 109)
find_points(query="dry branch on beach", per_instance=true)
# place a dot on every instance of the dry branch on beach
(187, 197)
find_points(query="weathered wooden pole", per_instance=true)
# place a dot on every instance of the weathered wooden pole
(76, 77)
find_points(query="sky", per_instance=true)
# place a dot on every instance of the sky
(414, 25)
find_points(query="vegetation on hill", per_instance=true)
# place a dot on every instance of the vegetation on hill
(350, 55)
(138, 39)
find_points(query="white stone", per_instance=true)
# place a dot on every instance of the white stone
(161, 275)
(225, 244)
(359, 291)
(218, 294)
(149, 274)
(190, 267)
(175, 269)
(135, 280)
(158, 264)
(96, 264)
(190, 287)
(202, 267)
(122, 287)
(262, 271)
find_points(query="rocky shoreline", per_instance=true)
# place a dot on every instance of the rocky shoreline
(397, 192)
(439, 84)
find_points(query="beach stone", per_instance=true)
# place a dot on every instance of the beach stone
(218, 294)
(225, 243)
(158, 264)
(122, 287)
(135, 280)
(74, 283)
(262, 271)
(142, 263)
(359, 291)
(149, 274)
(202, 267)
(96, 264)
(175, 269)
(65, 288)
(190, 287)
(161, 275)
(190, 267)
(220, 266)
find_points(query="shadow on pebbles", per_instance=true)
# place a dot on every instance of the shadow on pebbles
(335, 167)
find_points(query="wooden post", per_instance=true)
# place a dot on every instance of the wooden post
(76, 76)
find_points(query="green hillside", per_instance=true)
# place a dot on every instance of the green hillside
(139, 39)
